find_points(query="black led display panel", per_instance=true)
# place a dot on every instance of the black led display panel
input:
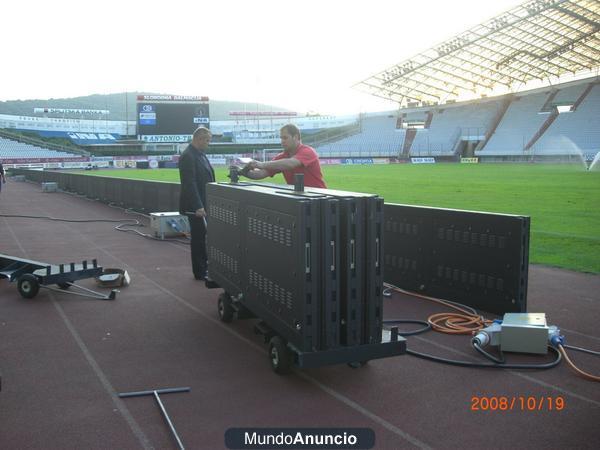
(307, 263)
(475, 258)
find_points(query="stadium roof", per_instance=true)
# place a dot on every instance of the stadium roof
(538, 40)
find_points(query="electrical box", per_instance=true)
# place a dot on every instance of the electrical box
(49, 187)
(168, 224)
(524, 333)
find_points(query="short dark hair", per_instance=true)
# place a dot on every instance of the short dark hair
(201, 130)
(292, 130)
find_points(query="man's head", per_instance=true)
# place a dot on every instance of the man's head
(201, 138)
(290, 137)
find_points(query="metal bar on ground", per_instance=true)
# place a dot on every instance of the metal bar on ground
(166, 416)
(156, 393)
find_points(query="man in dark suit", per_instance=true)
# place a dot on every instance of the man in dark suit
(2, 176)
(194, 172)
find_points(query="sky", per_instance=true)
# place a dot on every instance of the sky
(301, 55)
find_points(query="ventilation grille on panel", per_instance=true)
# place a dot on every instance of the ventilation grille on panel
(223, 214)
(399, 262)
(225, 260)
(270, 288)
(480, 280)
(270, 231)
(472, 238)
(402, 227)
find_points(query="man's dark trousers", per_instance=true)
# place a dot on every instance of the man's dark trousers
(198, 246)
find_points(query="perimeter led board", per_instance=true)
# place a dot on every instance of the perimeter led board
(170, 118)
(475, 258)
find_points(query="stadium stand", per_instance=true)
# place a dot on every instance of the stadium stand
(521, 60)
(378, 136)
(519, 124)
(510, 127)
(575, 131)
(449, 126)
(10, 149)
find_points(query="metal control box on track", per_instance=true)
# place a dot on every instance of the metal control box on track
(306, 263)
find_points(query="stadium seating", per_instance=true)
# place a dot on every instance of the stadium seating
(519, 124)
(569, 94)
(574, 132)
(10, 149)
(571, 133)
(451, 124)
(378, 137)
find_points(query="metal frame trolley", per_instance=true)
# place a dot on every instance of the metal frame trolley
(307, 264)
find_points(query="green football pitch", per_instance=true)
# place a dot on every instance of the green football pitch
(563, 201)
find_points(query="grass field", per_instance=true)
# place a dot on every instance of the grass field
(562, 200)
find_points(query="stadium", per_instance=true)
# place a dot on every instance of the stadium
(494, 138)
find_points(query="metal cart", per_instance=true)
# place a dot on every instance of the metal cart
(33, 275)
(283, 355)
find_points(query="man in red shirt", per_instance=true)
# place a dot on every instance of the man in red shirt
(295, 158)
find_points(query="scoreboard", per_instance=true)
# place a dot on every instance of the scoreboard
(170, 118)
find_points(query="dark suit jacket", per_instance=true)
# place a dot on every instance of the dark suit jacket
(194, 171)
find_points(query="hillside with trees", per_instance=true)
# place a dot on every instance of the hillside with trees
(121, 105)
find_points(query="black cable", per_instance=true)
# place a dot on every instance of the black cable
(148, 236)
(128, 210)
(392, 287)
(135, 222)
(452, 362)
(489, 356)
(579, 349)
(426, 327)
(496, 362)
(122, 222)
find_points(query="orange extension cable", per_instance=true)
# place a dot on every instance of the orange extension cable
(463, 322)
(467, 323)
(580, 372)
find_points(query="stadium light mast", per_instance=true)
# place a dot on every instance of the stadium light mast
(126, 115)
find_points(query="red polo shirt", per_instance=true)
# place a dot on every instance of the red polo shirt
(311, 168)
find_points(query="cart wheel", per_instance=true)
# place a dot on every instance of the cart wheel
(28, 285)
(63, 286)
(357, 364)
(244, 313)
(225, 308)
(281, 357)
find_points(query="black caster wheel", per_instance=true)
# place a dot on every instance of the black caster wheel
(28, 285)
(280, 356)
(225, 308)
(357, 364)
(244, 313)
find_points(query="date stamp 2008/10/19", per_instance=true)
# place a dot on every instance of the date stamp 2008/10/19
(517, 403)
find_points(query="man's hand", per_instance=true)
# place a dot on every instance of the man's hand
(240, 170)
(254, 164)
(200, 212)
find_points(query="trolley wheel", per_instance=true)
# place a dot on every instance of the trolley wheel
(63, 286)
(280, 355)
(225, 308)
(244, 313)
(28, 285)
(357, 364)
